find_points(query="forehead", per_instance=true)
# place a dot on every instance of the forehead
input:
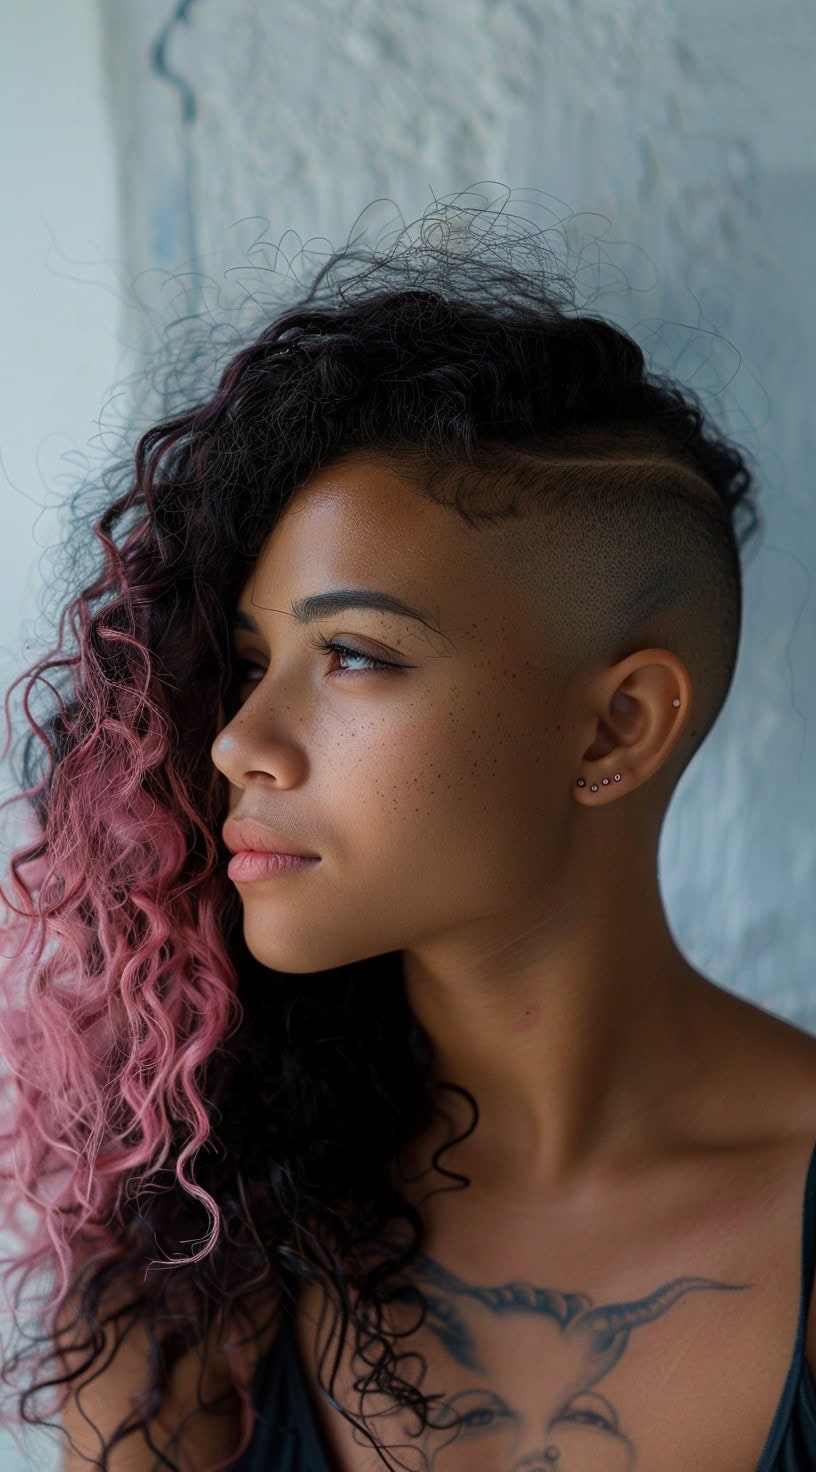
(361, 523)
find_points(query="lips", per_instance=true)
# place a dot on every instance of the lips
(246, 833)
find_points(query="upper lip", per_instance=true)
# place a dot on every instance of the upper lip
(247, 833)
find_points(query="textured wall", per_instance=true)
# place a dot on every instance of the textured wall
(684, 136)
(59, 314)
(58, 303)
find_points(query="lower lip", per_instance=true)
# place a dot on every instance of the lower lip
(251, 864)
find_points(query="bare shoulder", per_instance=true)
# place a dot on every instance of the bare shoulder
(776, 1060)
(796, 1082)
(767, 1064)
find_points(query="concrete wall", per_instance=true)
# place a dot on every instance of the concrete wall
(59, 294)
(61, 314)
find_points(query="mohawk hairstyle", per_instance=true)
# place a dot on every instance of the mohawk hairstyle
(161, 1091)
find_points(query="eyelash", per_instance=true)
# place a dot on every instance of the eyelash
(331, 646)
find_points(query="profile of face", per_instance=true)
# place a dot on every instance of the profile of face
(428, 754)
(427, 764)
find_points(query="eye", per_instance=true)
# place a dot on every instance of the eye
(343, 651)
(325, 646)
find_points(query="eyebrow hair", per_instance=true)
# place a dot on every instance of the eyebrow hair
(326, 605)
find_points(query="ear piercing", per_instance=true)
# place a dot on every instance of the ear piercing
(606, 780)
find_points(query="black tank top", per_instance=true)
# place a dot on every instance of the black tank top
(287, 1438)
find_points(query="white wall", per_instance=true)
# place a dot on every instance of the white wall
(59, 308)
(59, 323)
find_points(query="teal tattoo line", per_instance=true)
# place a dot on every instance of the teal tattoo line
(600, 1331)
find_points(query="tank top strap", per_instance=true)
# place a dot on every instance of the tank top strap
(808, 1237)
(781, 1426)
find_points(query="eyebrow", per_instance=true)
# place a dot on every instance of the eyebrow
(326, 605)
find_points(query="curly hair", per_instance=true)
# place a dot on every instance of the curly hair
(159, 1093)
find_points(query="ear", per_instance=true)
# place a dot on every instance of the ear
(639, 709)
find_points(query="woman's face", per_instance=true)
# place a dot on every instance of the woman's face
(436, 790)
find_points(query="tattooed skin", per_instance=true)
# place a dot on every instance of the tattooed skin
(555, 1421)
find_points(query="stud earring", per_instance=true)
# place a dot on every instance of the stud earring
(605, 780)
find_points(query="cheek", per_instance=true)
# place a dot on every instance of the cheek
(489, 773)
(475, 762)
(413, 776)
(493, 737)
(448, 765)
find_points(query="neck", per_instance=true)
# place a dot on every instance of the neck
(578, 1034)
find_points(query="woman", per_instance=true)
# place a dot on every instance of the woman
(425, 1147)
